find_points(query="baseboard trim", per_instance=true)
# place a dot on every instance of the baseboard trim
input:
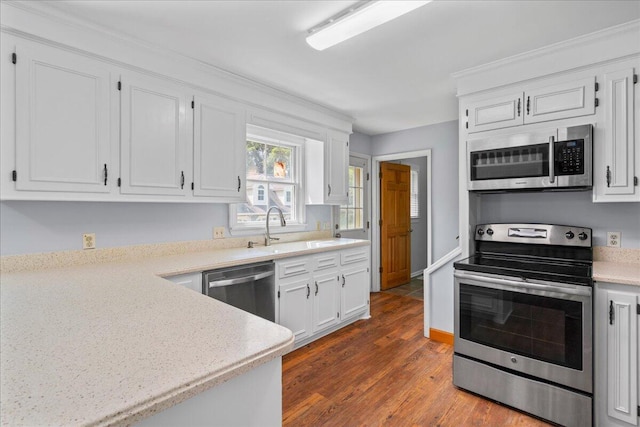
(441, 336)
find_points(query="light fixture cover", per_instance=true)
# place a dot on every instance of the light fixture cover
(363, 18)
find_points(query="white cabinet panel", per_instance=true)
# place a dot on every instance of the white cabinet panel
(295, 307)
(561, 101)
(326, 301)
(618, 158)
(495, 113)
(191, 281)
(622, 357)
(62, 121)
(219, 148)
(155, 137)
(355, 291)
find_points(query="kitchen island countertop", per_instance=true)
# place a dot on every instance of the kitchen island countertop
(113, 343)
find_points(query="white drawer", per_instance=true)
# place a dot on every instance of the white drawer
(326, 260)
(354, 256)
(294, 267)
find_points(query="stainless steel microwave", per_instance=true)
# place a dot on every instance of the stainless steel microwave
(553, 159)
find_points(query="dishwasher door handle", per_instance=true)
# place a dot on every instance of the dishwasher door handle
(238, 280)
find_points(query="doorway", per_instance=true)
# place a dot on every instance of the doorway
(422, 233)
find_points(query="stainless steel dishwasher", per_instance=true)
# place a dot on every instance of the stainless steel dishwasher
(248, 287)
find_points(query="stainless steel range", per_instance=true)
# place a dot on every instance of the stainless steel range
(523, 320)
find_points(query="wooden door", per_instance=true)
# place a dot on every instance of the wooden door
(395, 229)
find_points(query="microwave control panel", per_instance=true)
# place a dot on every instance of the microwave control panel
(569, 157)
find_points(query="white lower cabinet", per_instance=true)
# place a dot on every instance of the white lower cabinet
(616, 355)
(320, 293)
(191, 281)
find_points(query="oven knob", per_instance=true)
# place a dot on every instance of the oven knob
(514, 360)
(582, 236)
(480, 231)
(490, 232)
(569, 235)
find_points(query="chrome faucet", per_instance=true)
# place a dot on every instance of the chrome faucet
(268, 238)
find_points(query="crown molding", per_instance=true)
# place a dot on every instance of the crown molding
(60, 17)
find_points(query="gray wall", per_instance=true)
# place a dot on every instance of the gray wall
(30, 227)
(419, 226)
(442, 139)
(565, 208)
(360, 143)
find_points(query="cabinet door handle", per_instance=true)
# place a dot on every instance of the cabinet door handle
(308, 291)
(518, 107)
(611, 312)
(329, 185)
(239, 183)
(316, 288)
(608, 177)
(105, 174)
(552, 162)
(182, 180)
(343, 280)
(528, 105)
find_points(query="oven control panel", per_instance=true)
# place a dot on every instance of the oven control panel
(544, 234)
(569, 157)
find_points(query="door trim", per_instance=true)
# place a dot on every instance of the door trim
(375, 209)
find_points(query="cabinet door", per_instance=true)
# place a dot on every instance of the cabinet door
(622, 357)
(219, 149)
(326, 301)
(337, 168)
(561, 101)
(62, 121)
(495, 113)
(614, 177)
(295, 307)
(355, 291)
(191, 281)
(154, 137)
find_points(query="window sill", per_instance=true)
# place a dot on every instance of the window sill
(273, 229)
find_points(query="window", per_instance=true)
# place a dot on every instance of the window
(273, 180)
(415, 206)
(351, 215)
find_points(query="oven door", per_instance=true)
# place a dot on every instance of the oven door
(542, 329)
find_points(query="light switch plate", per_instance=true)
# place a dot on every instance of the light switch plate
(613, 239)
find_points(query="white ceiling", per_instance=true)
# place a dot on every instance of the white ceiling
(394, 77)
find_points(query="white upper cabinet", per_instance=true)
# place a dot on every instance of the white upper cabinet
(618, 156)
(561, 101)
(495, 113)
(537, 103)
(337, 168)
(62, 122)
(219, 149)
(155, 136)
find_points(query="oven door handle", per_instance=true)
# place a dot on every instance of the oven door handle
(557, 288)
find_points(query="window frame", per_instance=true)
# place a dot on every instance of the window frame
(273, 137)
(414, 170)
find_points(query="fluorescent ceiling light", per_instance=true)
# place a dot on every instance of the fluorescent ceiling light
(358, 19)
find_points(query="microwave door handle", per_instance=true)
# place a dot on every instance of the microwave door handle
(552, 161)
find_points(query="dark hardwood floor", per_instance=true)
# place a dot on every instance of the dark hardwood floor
(383, 371)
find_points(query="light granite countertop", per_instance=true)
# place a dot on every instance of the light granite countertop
(616, 265)
(112, 343)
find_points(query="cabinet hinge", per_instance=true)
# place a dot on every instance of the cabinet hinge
(380, 222)
(367, 176)
(278, 294)
(380, 175)
(368, 225)
(380, 270)
(119, 85)
(635, 181)
(597, 86)
(119, 182)
(14, 176)
(14, 58)
(466, 113)
(466, 125)
(635, 78)
(338, 315)
(193, 186)
(347, 143)
(597, 102)
(638, 309)
(193, 104)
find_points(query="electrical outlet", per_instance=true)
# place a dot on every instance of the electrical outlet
(318, 226)
(218, 232)
(89, 241)
(613, 239)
